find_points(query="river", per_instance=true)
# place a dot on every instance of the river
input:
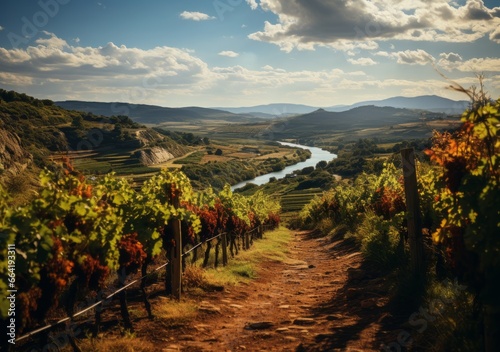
(317, 155)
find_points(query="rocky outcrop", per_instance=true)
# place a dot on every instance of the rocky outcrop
(13, 158)
(152, 156)
(146, 137)
(150, 138)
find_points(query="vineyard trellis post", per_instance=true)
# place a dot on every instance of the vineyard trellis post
(177, 260)
(415, 238)
(247, 240)
(224, 249)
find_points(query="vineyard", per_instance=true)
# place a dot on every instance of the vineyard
(458, 214)
(77, 234)
(82, 241)
(295, 200)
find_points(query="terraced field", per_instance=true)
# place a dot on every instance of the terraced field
(123, 164)
(295, 200)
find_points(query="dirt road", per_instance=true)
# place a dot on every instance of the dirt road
(319, 299)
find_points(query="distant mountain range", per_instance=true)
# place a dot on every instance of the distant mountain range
(431, 103)
(272, 110)
(152, 114)
(362, 117)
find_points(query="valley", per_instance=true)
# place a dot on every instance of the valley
(250, 176)
(315, 260)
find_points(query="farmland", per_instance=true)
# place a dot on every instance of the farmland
(295, 200)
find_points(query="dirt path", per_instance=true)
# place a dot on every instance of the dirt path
(323, 303)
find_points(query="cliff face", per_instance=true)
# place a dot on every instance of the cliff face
(13, 158)
(151, 138)
(152, 156)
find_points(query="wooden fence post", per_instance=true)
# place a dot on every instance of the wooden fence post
(224, 249)
(176, 264)
(413, 212)
(247, 240)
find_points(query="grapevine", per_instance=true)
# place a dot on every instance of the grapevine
(76, 232)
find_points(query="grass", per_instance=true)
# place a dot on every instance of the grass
(171, 312)
(193, 158)
(127, 343)
(450, 323)
(245, 265)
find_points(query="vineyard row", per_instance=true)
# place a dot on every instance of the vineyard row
(77, 232)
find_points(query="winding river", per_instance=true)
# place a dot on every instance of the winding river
(317, 155)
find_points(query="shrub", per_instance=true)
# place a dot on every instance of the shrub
(379, 241)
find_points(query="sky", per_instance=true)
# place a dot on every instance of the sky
(231, 53)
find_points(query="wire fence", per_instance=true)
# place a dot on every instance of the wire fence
(111, 295)
(34, 332)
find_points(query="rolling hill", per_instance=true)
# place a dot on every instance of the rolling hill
(431, 103)
(322, 121)
(153, 114)
(272, 110)
(33, 132)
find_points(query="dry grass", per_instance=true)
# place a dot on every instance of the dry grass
(193, 277)
(242, 155)
(172, 312)
(278, 155)
(244, 267)
(217, 158)
(115, 344)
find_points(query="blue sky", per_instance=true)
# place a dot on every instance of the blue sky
(247, 52)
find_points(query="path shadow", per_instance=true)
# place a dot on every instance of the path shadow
(362, 301)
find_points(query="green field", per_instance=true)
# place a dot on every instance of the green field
(295, 200)
(193, 158)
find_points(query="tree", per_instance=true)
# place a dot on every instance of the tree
(78, 122)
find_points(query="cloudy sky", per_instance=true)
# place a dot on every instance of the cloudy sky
(247, 52)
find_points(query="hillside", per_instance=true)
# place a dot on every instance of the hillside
(431, 103)
(33, 131)
(152, 114)
(355, 119)
(272, 110)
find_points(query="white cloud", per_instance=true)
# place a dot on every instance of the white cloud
(15, 79)
(1, 28)
(362, 61)
(229, 53)
(448, 61)
(253, 4)
(162, 75)
(495, 35)
(409, 57)
(113, 69)
(413, 57)
(53, 41)
(306, 24)
(450, 57)
(383, 53)
(195, 16)
(52, 68)
(76, 40)
(474, 65)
